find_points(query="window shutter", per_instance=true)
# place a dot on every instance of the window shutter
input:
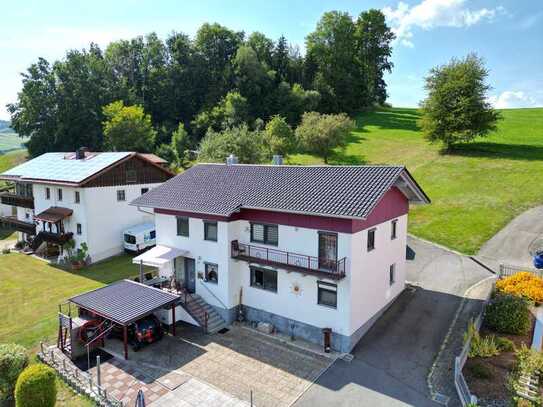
(272, 234)
(258, 232)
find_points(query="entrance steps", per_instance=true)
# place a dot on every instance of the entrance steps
(197, 307)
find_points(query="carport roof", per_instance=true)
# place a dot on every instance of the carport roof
(125, 301)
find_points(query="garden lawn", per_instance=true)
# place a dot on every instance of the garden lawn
(31, 289)
(475, 191)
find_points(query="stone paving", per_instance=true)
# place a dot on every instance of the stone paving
(237, 362)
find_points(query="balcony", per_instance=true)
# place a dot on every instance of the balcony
(18, 225)
(8, 198)
(289, 261)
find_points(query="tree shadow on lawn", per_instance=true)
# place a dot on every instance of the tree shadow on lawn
(394, 119)
(485, 149)
(340, 157)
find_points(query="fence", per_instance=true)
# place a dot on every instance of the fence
(460, 383)
(507, 270)
(81, 382)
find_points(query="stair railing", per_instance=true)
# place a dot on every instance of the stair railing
(188, 297)
(213, 295)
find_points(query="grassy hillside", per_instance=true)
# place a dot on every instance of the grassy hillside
(475, 191)
(10, 141)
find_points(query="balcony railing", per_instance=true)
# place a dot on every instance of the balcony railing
(18, 225)
(334, 269)
(8, 198)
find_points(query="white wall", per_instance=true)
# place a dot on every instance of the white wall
(102, 217)
(361, 294)
(369, 277)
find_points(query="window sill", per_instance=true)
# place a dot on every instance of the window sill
(263, 289)
(327, 306)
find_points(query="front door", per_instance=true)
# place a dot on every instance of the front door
(327, 250)
(190, 275)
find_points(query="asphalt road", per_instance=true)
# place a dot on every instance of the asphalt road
(392, 361)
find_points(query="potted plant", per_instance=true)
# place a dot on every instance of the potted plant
(76, 258)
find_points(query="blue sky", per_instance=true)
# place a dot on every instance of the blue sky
(508, 34)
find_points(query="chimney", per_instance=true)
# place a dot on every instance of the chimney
(231, 159)
(277, 159)
(80, 153)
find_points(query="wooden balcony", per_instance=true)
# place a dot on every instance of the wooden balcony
(18, 225)
(8, 198)
(300, 263)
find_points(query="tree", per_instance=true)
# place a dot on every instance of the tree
(332, 48)
(456, 109)
(128, 128)
(167, 152)
(373, 46)
(281, 58)
(263, 47)
(279, 136)
(320, 133)
(246, 145)
(180, 145)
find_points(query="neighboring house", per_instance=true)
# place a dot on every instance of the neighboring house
(302, 247)
(82, 195)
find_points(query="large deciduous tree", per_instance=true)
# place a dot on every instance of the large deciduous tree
(128, 128)
(319, 133)
(246, 145)
(279, 136)
(456, 109)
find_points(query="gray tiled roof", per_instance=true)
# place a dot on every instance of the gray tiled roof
(345, 191)
(124, 301)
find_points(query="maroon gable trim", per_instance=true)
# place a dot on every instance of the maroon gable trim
(393, 204)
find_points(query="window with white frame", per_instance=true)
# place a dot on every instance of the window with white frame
(394, 229)
(182, 226)
(77, 198)
(59, 194)
(210, 231)
(47, 193)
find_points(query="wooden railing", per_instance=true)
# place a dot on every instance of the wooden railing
(334, 269)
(12, 199)
(18, 225)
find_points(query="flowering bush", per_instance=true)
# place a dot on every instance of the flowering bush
(522, 284)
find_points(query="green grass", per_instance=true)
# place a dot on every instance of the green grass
(11, 141)
(475, 191)
(32, 289)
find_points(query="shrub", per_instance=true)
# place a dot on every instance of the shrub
(6, 250)
(528, 360)
(13, 360)
(523, 284)
(480, 371)
(36, 387)
(508, 314)
(505, 344)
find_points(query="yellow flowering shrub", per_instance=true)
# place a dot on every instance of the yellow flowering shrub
(522, 284)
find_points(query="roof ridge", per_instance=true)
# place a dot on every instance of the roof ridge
(306, 166)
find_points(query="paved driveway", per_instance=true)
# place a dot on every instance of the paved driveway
(392, 361)
(510, 245)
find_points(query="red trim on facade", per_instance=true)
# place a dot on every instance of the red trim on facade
(393, 204)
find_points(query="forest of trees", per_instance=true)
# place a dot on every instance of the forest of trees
(189, 87)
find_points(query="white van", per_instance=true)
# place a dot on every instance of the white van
(139, 237)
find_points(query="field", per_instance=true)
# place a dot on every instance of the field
(475, 191)
(10, 141)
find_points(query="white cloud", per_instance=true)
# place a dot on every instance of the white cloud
(513, 99)
(434, 13)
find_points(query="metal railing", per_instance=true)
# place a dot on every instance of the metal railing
(460, 383)
(507, 270)
(191, 303)
(81, 382)
(213, 295)
(293, 261)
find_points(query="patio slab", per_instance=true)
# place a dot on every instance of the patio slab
(237, 362)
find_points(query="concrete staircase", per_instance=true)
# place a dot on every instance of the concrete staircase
(197, 308)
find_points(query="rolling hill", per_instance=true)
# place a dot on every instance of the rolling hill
(475, 191)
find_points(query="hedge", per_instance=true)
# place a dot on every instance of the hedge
(13, 360)
(36, 387)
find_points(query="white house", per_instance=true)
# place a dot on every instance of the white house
(302, 247)
(82, 196)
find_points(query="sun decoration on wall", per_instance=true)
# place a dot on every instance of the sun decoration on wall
(296, 288)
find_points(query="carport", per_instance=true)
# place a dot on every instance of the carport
(125, 302)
